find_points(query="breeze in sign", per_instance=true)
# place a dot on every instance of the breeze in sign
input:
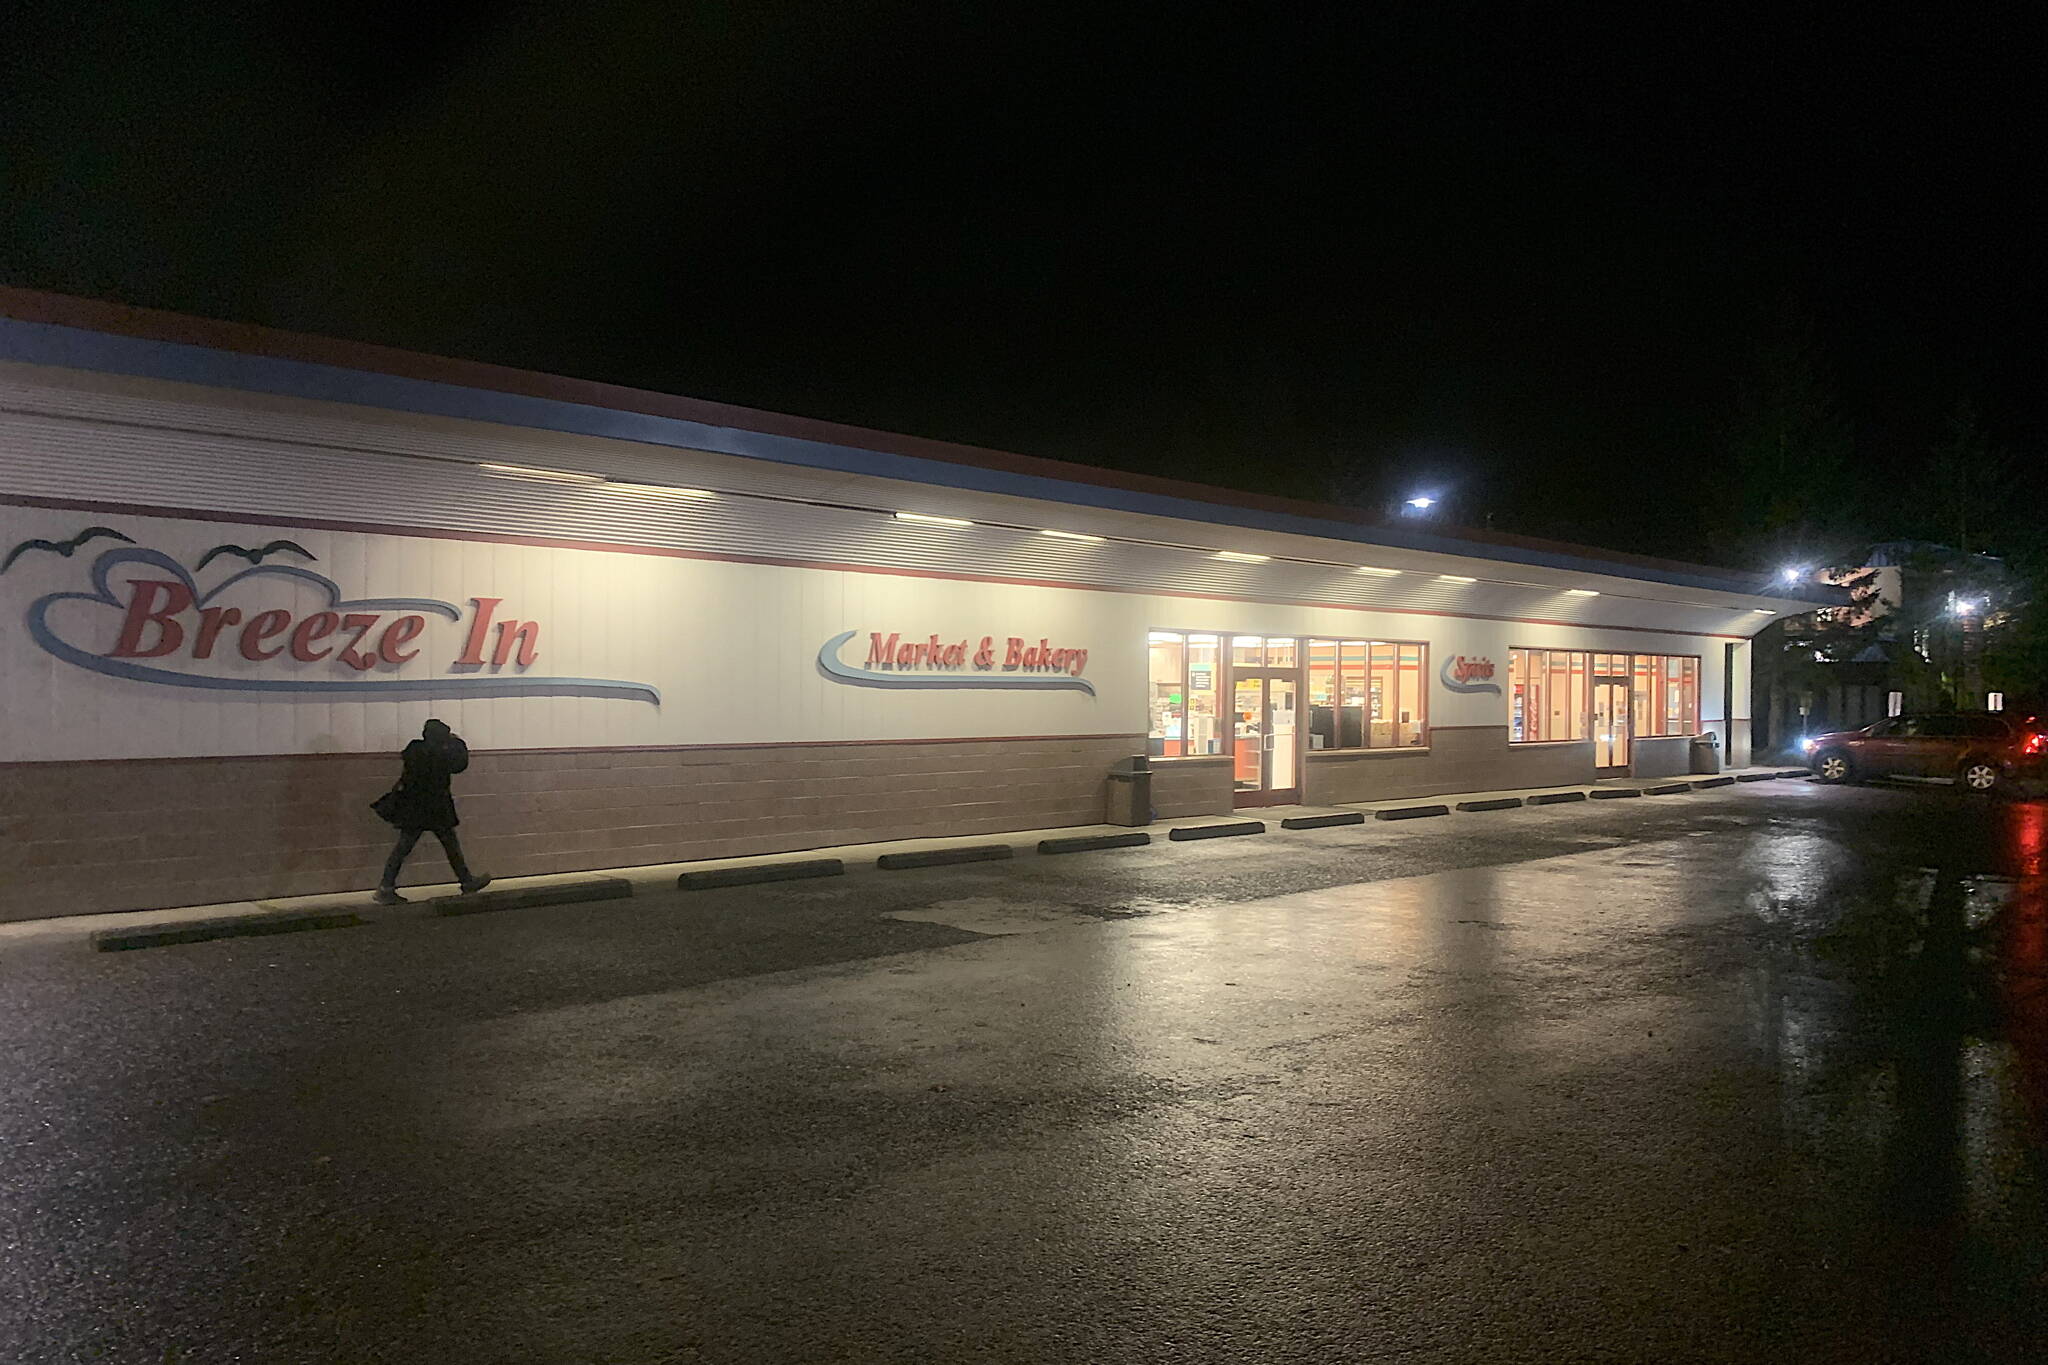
(147, 619)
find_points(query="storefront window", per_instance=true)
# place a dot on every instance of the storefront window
(1676, 689)
(1362, 694)
(1351, 688)
(1322, 694)
(1408, 730)
(1183, 694)
(1169, 654)
(1204, 663)
(1366, 694)
(1550, 693)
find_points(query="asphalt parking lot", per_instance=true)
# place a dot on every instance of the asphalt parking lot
(1746, 1074)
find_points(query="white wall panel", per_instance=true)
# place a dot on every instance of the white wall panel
(732, 647)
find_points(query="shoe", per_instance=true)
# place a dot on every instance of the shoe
(474, 885)
(386, 896)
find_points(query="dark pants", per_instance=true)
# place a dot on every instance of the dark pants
(407, 838)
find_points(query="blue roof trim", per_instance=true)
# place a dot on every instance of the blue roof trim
(80, 348)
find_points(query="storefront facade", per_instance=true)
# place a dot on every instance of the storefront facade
(243, 568)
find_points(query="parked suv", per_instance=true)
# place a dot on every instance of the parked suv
(1978, 751)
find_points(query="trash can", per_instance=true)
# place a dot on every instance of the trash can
(1706, 753)
(1130, 791)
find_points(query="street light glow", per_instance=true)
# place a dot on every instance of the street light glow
(1422, 502)
(1793, 573)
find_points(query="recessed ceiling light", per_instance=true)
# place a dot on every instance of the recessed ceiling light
(1242, 557)
(1379, 573)
(932, 520)
(1455, 578)
(521, 471)
(1580, 592)
(660, 490)
(1072, 535)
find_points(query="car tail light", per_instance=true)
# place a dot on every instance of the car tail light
(2036, 742)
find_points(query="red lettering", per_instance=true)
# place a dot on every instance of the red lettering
(473, 647)
(985, 657)
(155, 602)
(525, 634)
(318, 626)
(260, 629)
(211, 622)
(397, 636)
(881, 653)
(906, 655)
(359, 622)
(1080, 663)
(1015, 654)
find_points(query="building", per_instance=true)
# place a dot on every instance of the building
(242, 567)
(1921, 630)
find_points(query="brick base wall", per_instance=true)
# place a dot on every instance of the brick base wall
(1474, 758)
(81, 837)
(1191, 786)
(1660, 757)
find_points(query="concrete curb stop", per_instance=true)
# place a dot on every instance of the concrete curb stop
(1615, 793)
(1754, 777)
(205, 930)
(1708, 783)
(1554, 798)
(1088, 843)
(1223, 831)
(1669, 789)
(1410, 812)
(529, 897)
(1792, 772)
(1497, 803)
(942, 857)
(1348, 817)
(711, 878)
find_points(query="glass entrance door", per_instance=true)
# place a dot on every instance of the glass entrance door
(1610, 724)
(1267, 736)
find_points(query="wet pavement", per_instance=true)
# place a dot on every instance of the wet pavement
(1753, 1074)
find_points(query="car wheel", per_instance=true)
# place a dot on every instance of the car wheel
(1979, 775)
(1833, 766)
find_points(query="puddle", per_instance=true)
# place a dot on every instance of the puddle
(994, 916)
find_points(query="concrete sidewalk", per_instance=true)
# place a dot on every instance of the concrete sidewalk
(355, 907)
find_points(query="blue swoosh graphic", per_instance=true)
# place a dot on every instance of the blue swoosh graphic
(39, 630)
(830, 664)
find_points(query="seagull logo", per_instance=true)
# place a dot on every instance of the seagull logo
(66, 548)
(256, 556)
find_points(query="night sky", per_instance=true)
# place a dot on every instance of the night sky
(1524, 260)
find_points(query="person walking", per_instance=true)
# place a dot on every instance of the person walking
(421, 802)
